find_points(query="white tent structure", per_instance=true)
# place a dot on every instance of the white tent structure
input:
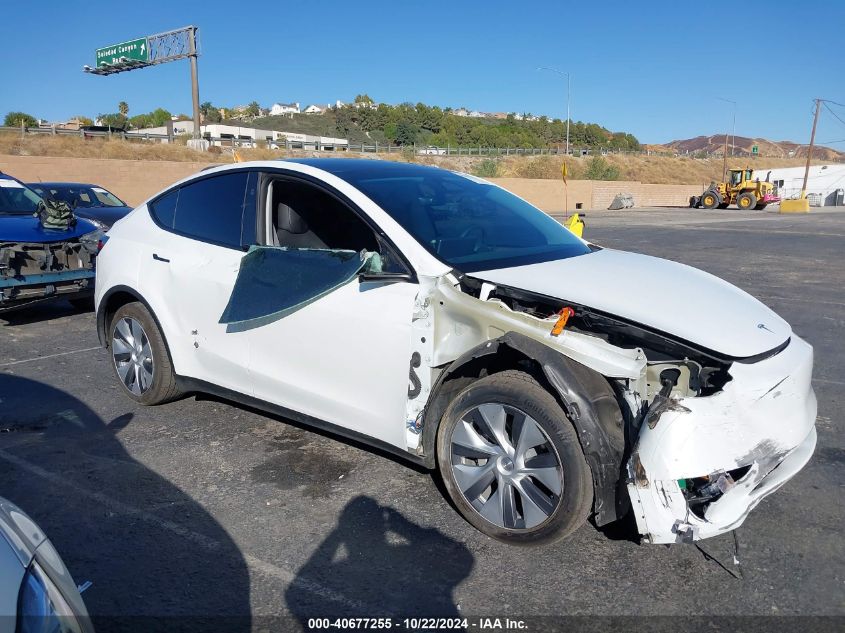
(825, 183)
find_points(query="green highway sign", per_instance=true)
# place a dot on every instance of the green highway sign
(136, 50)
(755, 149)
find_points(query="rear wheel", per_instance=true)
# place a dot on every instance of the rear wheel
(746, 200)
(710, 199)
(511, 461)
(140, 359)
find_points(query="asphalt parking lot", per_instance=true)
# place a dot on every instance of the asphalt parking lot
(204, 508)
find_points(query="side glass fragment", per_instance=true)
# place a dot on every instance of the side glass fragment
(275, 282)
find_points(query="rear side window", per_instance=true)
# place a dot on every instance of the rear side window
(211, 209)
(220, 209)
(164, 209)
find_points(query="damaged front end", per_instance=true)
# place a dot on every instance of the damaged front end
(698, 468)
(705, 437)
(31, 272)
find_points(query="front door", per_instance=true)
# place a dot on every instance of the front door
(329, 344)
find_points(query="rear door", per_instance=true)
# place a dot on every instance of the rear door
(197, 263)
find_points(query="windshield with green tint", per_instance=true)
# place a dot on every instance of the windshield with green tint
(15, 199)
(466, 222)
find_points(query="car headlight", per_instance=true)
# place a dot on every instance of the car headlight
(92, 239)
(41, 606)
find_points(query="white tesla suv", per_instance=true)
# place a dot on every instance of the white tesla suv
(438, 316)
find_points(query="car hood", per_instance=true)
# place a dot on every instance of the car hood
(672, 298)
(27, 228)
(106, 215)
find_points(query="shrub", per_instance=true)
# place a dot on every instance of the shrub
(487, 168)
(599, 169)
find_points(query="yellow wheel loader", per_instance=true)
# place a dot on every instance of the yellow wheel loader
(739, 190)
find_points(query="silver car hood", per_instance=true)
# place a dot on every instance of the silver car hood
(663, 295)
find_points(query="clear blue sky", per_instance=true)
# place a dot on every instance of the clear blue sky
(650, 68)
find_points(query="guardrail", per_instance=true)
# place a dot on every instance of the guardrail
(244, 142)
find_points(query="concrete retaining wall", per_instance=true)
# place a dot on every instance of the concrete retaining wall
(135, 181)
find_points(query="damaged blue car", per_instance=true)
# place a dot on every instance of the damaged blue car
(46, 253)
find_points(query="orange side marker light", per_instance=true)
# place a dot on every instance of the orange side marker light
(563, 317)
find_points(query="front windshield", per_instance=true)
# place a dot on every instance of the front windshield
(17, 199)
(81, 197)
(467, 222)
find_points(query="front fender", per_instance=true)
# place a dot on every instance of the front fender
(585, 396)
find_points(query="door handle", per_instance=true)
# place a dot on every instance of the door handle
(160, 259)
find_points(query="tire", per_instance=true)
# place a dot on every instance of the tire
(746, 201)
(140, 360)
(476, 467)
(710, 199)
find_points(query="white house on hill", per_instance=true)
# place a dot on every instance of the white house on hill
(284, 108)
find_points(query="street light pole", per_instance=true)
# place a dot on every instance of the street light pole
(733, 129)
(568, 93)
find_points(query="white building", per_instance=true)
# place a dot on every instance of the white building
(284, 108)
(315, 109)
(823, 182)
(237, 136)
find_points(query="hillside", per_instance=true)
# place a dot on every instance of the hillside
(657, 169)
(715, 144)
(407, 124)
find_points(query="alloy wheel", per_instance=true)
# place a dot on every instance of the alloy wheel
(506, 466)
(133, 356)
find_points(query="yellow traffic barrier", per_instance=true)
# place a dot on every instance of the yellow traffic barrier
(801, 205)
(575, 224)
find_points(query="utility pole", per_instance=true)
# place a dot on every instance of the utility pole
(568, 92)
(810, 148)
(195, 89)
(725, 160)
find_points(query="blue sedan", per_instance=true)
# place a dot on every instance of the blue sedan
(91, 202)
(38, 263)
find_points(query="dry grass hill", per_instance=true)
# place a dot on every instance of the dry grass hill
(657, 169)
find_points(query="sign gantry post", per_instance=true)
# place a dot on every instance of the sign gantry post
(151, 51)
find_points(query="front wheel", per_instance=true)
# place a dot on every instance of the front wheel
(140, 359)
(710, 200)
(746, 200)
(511, 461)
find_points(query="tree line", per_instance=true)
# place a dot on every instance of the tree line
(406, 124)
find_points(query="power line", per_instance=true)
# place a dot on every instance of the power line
(829, 109)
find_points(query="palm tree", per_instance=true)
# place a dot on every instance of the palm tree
(123, 108)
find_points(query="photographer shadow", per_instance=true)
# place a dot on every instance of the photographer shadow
(377, 563)
(158, 560)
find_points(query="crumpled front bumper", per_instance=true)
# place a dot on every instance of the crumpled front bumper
(763, 419)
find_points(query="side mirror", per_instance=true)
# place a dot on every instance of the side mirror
(386, 277)
(373, 271)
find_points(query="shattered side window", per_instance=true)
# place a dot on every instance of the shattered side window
(274, 282)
